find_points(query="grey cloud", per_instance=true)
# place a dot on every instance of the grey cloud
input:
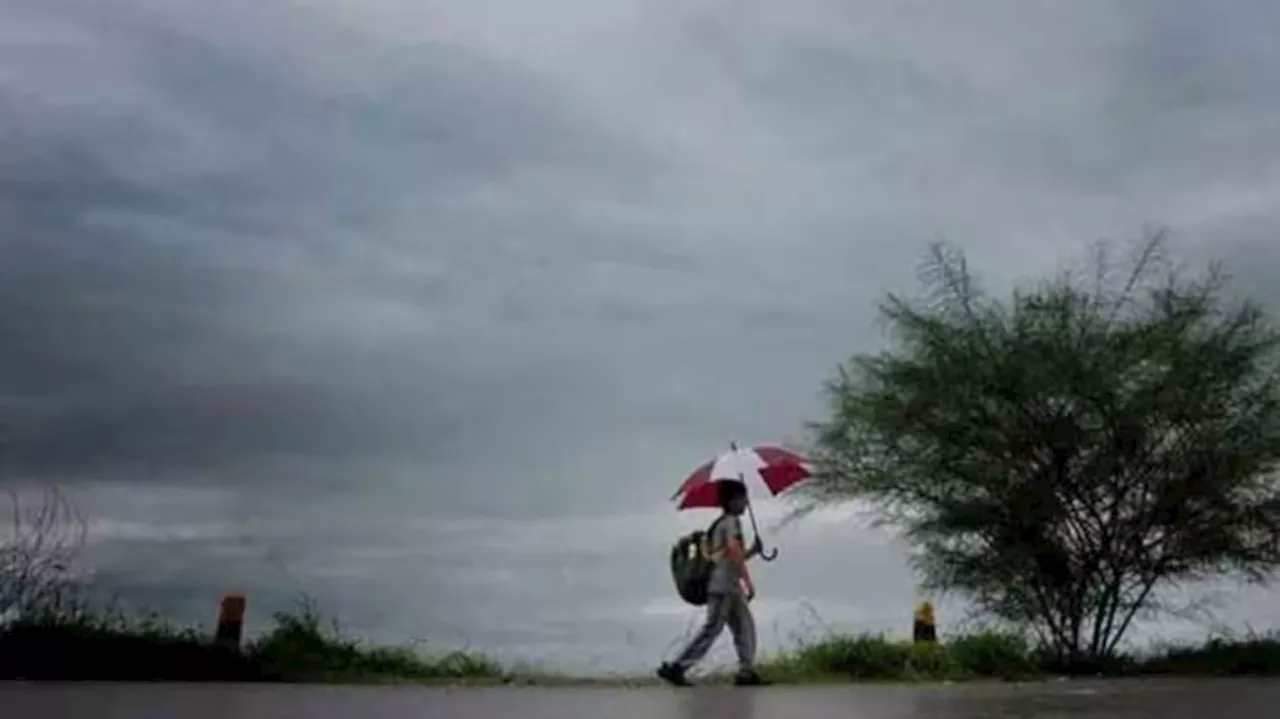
(228, 247)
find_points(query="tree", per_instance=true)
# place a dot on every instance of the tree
(1062, 457)
(39, 540)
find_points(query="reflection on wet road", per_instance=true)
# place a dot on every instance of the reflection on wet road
(1130, 699)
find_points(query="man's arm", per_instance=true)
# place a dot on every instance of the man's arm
(738, 555)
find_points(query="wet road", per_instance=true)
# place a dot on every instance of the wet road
(1235, 698)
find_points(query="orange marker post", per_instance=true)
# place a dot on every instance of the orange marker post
(924, 628)
(231, 621)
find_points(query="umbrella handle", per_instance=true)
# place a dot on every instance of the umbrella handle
(765, 554)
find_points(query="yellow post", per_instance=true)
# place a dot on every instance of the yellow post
(924, 629)
(231, 621)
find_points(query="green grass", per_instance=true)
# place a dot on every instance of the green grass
(301, 646)
(1008, 656)
(870, 657)
(73, 644)
(1252, 654)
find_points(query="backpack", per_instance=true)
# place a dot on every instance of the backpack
(691, 566)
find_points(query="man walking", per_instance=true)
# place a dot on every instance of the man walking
(729, 593)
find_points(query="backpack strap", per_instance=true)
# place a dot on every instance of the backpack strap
(711, 533)
(712, 529)
(705, 547)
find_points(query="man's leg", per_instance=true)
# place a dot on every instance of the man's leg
(718, 608)
(743, 626)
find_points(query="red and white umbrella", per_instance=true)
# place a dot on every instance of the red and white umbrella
(774, 467)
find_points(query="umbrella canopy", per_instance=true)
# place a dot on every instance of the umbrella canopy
(776, 468)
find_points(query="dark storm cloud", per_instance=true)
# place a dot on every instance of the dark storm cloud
(224, 263)
(201, 260)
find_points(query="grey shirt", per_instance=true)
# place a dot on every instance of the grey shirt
(725, 576)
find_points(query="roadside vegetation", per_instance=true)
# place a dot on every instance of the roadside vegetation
(1011, 657)
(302, 646)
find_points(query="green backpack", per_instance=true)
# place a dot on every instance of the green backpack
(691, 567)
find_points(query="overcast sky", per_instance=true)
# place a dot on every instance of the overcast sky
(425, 307)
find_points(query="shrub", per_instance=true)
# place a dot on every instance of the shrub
(992, 654)
(302, 647)
(1254, 654)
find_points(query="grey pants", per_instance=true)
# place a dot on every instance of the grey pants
(722, 609)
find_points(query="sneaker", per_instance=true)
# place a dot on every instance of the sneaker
(750, 679)
(673, 675)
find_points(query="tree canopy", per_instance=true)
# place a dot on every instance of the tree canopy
(1060, 457)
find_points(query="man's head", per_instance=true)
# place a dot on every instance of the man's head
(733, 496)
